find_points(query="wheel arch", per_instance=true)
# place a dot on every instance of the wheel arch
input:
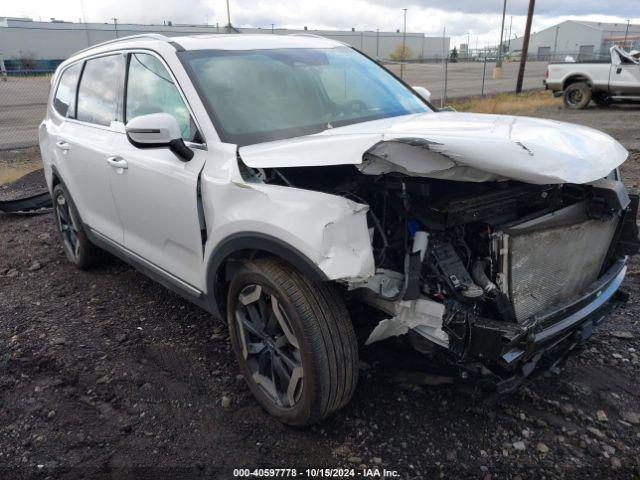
(242, 246)
(576, 78)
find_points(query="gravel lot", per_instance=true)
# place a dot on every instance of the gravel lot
(105, 374)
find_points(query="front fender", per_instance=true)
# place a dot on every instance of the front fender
(328, 231)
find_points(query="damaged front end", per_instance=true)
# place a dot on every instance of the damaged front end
(499, 277)
(497, 242)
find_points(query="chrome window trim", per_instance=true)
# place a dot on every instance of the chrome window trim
(124, 51)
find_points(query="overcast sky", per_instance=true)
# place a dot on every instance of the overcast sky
(481, 18)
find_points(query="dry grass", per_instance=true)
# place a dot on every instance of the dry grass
(11, 173)
(508, 103)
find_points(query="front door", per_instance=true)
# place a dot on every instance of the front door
(625, 78)
(157, 193)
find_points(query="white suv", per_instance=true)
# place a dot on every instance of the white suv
(290, 184)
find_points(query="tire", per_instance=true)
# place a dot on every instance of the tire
(300, 336)
(602, 100)
(577, 95)
(77, 247)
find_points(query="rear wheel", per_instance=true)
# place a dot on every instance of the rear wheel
(603, 100)
(79, 250)
(294, 341)
(577, 95)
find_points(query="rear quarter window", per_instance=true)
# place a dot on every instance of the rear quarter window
(65, 98)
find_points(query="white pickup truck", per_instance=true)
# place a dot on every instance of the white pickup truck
(616, 80)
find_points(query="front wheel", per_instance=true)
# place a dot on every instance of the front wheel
(293, 340)
(577, 95)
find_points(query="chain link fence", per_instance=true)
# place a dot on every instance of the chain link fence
(24, 90)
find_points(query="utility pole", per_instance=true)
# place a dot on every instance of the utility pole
(377, 44)
(626, 32)
(497, 71)
(115, 25)
(525, 46)
(272, 31)
(468, 46)
(84, 20)
(404, 44)
(555, 42)
(444, 66)
(228, 18)
(509, 42)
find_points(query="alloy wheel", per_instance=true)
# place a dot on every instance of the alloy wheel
(269, 346)
(68, 227)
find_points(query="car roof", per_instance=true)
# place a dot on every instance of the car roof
(245, 41)
(253, 41)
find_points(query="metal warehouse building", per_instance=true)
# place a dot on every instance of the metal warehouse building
(582, 40)
(27, 39)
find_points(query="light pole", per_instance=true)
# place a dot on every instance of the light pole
(468, 47)
(272, 31)
(626, 32)
(115, 25)
(377, 44)
(497, 71)
(404, 44)
(509, 42)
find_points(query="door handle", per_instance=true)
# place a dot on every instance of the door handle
(619, 70)
(62, 145)
(118, 162)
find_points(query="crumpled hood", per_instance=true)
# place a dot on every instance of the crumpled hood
(454, 146)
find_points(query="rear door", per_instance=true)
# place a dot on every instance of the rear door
(85, 138)
(157, 193)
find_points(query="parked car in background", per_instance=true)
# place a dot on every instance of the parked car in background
(289, 183)
(606, 82)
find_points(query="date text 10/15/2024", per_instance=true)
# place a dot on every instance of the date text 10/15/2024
(315, 473)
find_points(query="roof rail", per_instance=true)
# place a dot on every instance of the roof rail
(155, 36)
(306, 35)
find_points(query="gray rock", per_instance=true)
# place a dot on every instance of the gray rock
(601, 416)
(595, 432)
(12, 273)
(226, 402)
(354, 459)
(631, 417)
(35, 266)
(623, 335)
(520, 446)
(542, 448)
(615, 462)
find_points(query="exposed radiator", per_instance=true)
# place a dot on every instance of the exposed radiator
(549, 264)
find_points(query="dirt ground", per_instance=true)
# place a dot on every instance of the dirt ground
(105, 374)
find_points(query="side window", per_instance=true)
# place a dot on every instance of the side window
(65, 100)
(150, 89)
(98, 91)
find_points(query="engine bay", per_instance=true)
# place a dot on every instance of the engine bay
(442, 252)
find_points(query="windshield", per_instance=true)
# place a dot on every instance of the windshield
(256, 96)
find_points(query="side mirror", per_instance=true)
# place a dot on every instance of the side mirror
(423, 92)
(158, 130)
